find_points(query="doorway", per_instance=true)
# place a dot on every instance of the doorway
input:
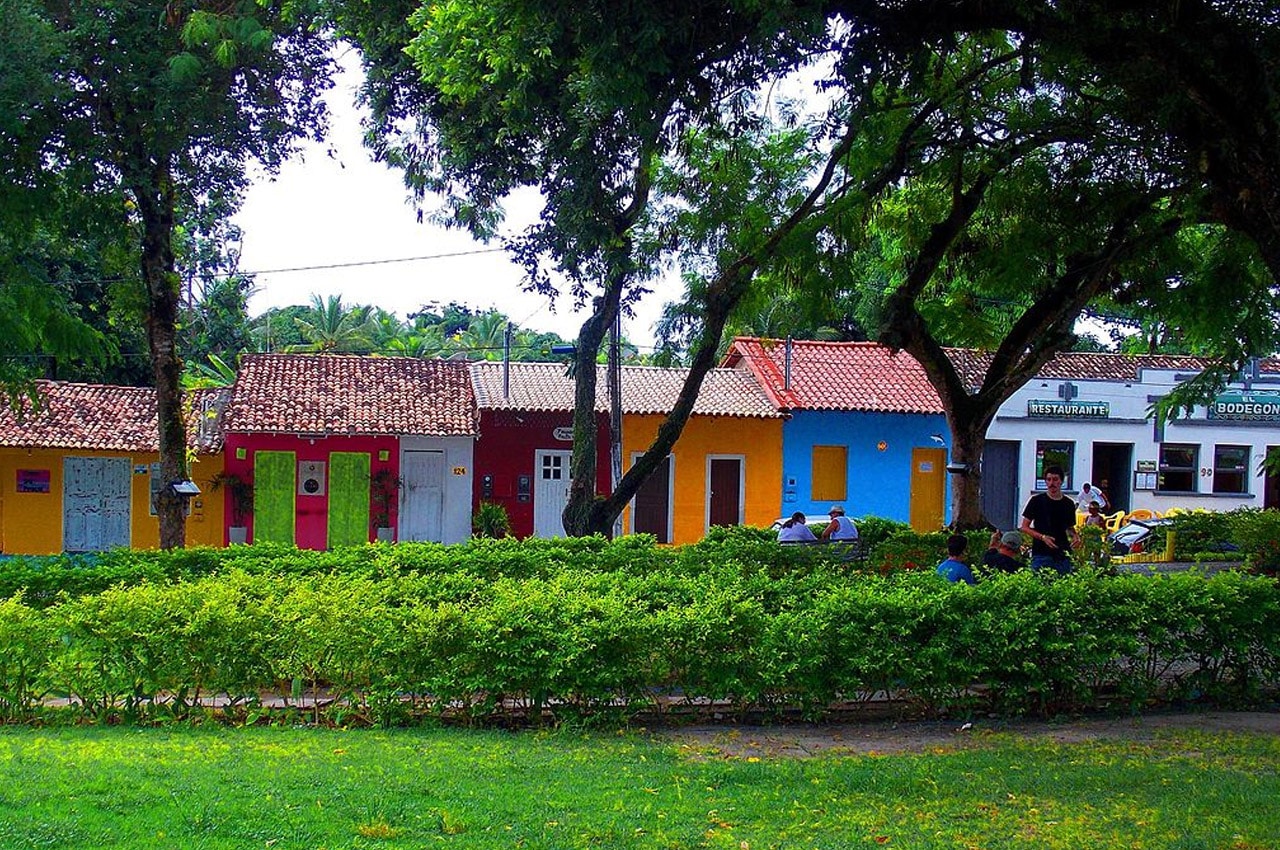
(1000, 502)
(651, 509)
(928, 488)
(1112, 471)
(422, 511)
(550, 492)
(724, 491)
(96, 502)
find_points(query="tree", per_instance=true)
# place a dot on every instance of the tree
(158, 106)
(1002, 164)
(330, 327)
(581, 102)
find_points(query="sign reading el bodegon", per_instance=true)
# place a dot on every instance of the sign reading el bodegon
(1252, 405)
(1069, 409)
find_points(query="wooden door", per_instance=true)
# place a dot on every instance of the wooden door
(274, 495)
(96, 503)
(724, 491)
(422, 514)
(348, 499)
(651, 510)
(928, 488)
(550, 492)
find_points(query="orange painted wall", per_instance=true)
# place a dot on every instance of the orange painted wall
(31, 523)
(758, 441)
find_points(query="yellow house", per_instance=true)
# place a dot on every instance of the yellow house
(726, 468)
(77, 472)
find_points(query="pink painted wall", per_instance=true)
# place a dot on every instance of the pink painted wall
(311, 518)
(505, 450)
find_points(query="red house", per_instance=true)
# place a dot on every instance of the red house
(526, 429)
(339, 450)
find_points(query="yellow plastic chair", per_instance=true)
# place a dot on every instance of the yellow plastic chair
(1141, 513)
(1176, 512)
(1080, 518)
(1115, 521)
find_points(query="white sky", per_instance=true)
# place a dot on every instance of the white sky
(331, 210)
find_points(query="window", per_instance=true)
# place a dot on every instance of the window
(1055, 453)
(830, 473)
(157, 483)
(1178, 467)
(1231, 469)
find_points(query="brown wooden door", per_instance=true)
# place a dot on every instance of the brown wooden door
(724, 502)
(652, 509)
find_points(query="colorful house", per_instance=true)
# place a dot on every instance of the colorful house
(866, 428)
(723, 470)
(342, 450)
(78, 472)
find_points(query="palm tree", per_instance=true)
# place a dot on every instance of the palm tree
(483, 339)
(330, 327)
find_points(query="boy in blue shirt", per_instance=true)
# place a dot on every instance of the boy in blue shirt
(954, 569)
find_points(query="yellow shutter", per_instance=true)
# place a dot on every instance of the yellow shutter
(830, 473)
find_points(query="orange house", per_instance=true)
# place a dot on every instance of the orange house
(78, 471)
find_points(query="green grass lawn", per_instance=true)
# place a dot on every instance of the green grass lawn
(218, 787)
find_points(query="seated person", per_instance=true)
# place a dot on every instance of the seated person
(841, 527)
(1003, 555)
(794, 530)
(954, 569)
(1094, 517)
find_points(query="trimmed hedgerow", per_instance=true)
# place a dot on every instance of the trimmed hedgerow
(394, 645)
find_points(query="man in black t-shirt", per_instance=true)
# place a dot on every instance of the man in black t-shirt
(1050, 519)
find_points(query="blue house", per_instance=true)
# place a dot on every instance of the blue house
(866, 428)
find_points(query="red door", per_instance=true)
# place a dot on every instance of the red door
(652, 508)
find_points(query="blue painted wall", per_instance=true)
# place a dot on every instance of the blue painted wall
(878, 482)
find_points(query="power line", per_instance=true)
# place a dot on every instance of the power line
(359, 263)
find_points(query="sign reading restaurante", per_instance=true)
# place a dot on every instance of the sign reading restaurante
(1069, 409)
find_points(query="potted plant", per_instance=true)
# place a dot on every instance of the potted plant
(386, 488)
(241, 493)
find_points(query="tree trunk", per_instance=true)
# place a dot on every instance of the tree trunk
(154, 196)
(584, 514)
(968, 438)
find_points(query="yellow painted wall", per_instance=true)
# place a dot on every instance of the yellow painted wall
(758, 441)
(31, 523)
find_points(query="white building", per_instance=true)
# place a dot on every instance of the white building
(1092, 415)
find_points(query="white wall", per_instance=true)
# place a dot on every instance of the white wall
(1128, 422)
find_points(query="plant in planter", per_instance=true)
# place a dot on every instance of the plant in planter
(241, 493)
(386, 489)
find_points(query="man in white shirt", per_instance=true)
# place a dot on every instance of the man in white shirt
(841, 527)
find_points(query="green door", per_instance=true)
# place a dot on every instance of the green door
(274, 487)
(348, 498)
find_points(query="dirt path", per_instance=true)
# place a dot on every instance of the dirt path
(803, 740)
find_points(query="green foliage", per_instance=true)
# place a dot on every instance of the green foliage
(491, 520)
(587, 627)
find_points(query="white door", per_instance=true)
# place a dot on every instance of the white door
(95, 503)
(422, 505)
(550, 492)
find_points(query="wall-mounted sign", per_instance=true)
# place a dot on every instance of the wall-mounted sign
(33, 481)
(459, 470)
(564, 435)
(1069, 409)
(1146, 466)
(1263, 405)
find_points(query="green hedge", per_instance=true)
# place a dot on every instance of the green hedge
(396, 645)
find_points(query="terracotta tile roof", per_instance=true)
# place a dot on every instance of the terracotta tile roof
(855, 376)
(645, 390)
(345, 394)
(1091, 366)
(101, 417)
